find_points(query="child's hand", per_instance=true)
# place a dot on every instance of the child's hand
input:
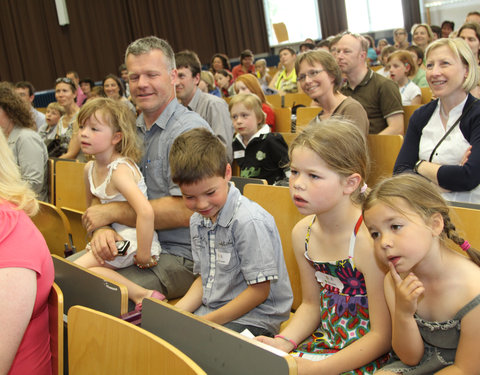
(278, 343)
(407, 291)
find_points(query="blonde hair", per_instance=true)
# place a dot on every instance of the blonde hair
(423, 198)
(427, 27)
(253, 103)
(12, 187)
(121, 119)
(405, 58)
(341, 145)
(462, 50)
(56, 107)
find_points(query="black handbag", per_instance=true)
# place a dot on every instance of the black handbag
(57, 146)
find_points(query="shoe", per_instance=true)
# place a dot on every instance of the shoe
(156, 295)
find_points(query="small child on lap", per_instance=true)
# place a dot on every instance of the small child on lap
(237, 252)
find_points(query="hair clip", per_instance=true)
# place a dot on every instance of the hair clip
(465, 245)
(364, 188)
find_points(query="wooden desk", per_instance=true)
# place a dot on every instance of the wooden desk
(216, 349)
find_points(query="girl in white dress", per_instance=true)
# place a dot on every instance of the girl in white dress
(107, 130)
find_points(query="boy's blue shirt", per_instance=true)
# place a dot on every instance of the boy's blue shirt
(241, 248)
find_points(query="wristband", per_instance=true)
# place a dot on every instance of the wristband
(287, 339)
(417, 165)
(151, 263)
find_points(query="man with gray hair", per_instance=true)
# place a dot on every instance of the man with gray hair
(379, 96)
(152, 75)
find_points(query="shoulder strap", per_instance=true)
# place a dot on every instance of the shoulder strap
(467, 308)
(451, 128)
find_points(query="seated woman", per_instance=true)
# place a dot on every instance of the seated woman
(207, 83)
(66, 94)
(29, 150)
(248, 84)
(470, 32)
(224, 82)
(26, 275)
(285, 80)
(113, 88)
(320, 78)
(422, 35)
(219, 61)
(443, 137)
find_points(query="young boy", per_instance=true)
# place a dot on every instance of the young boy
(236, 248)
(48, 131)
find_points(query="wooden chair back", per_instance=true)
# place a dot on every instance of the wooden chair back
(240, 182)
(383, 151)
(55, 228)
(99, 343)
(407, 113)
(70, 185)
(79, 233)
(83, 287)
(55, 323)
(51, 180)
(216, 349)
(426, 95)
(295, 99)
(466, 221)
(283, 119)
(274, 100)
(277, 201)
(305, 115)
(289, 137)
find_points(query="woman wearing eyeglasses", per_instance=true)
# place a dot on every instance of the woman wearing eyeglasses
(28, 148)
(320, 78)
(400, 38)
(66, 93)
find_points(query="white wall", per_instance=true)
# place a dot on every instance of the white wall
(451, 10)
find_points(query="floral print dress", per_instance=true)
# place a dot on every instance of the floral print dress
(343, 308)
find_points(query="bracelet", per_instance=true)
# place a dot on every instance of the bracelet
(417, 165)
(287, 339)
(151, 263)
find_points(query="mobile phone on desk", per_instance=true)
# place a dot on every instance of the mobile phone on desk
(122, 247)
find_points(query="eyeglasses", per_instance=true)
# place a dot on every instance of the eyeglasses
(310, 74)
(400, 33)
(64, 80)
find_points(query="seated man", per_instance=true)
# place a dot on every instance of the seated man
(152, 76)
(27, 93)
(379, 96)
(214, 110)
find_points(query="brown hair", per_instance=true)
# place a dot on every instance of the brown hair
(120, 118)
(424, 199)
(405, 58)
(15, 108)
(327, 61)
(195, 155)
(341, 145)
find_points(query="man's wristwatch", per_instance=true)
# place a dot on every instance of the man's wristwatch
(417, 165)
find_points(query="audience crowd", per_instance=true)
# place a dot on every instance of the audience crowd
(198, 127)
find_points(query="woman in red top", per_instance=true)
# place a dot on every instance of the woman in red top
(248, 83)
(26, 276)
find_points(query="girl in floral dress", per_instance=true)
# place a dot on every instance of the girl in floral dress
(337, 328)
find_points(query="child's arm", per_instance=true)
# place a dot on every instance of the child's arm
(402, 298)
(247, 300)
(124, 181)
(467, 360)
(307, 317)
(192, 300)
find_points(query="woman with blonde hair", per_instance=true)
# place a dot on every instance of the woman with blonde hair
(422, 35)
(442, 142)
(26, 276)
(248, 83)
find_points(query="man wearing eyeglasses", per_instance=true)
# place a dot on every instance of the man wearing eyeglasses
(379, 96)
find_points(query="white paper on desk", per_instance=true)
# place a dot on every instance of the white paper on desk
(247, 333)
